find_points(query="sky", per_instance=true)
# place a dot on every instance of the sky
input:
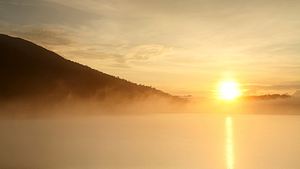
(181, 47)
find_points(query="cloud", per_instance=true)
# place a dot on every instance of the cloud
(276, 87)
(146, 52)
(290, 87)
(122, 56)
(43, 35)
(68, 42)
(197, 39)
(37, 12)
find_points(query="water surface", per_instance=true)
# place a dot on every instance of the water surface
(159, 141)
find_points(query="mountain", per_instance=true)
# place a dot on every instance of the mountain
(267, 97)
(31, 71)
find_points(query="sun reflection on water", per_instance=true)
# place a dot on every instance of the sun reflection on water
(229, 143)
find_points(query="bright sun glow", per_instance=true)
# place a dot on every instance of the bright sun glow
(229, 90)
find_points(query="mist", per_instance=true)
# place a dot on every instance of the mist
(144, 135)
(87, 107)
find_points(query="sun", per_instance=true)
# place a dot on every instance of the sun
(228, 90)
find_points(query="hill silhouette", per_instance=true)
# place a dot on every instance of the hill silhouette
(267, 97)
(31, 71)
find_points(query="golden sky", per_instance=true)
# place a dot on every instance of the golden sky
(182, 47)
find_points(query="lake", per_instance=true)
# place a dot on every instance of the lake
(154, 141)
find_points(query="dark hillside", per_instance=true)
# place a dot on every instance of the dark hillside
(29, 70)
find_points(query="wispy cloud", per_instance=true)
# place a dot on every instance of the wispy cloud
(44, 35)
(42, 12)
(287, 87)
(194, 39)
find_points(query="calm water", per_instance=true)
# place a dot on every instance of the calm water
(169, 141)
